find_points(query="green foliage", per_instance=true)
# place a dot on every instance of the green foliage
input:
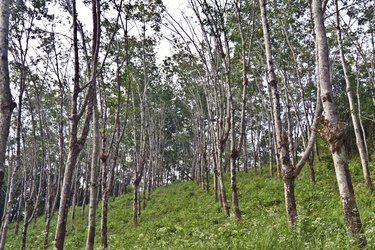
(182, 216)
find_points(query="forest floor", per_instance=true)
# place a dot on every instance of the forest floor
(182, 216)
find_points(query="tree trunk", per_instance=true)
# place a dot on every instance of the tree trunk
(75, 143)
(334, 133)
(290, 200)
(356, 125)
(281, 136)
(144, 190)
(236, 209)
(135, 204)
(74, 199)
(18, 215)
(93, 179)
(6, 103)
(8, 208)
(311, 166)
(223, 195)
(103, 233)
(216, 192)
(270, 147)
(360, 120)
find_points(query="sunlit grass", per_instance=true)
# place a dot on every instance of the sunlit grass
(182, 216)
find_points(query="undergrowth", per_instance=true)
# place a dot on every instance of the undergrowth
(182, 216)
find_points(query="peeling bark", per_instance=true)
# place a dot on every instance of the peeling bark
(357, 129)
(333, 132)
(6, 103)
(281, 136)
(6, 108)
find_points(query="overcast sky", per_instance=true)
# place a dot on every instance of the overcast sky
(174, 7)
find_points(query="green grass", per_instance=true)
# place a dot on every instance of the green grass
(182, 216)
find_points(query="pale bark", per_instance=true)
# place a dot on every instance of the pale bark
(360, 120)
(6, 103)
(236, 147)
(108, 178)
(54, 194)
(74, 199)
(76, 143)
(8, 208)
(333, 132)
(6, 108)
(141, 161)
(93, 179)
(281, 136)
(270, 146)
(356, 125)
(218, 95)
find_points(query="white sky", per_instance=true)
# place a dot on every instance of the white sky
(174, 7)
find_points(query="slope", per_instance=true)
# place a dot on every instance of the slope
(182, 216)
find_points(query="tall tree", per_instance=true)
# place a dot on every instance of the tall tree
(289, 171)
(353, 113)
(333, 131)
(76, 141)
(6, 103)
(281, 136)
(93, 178)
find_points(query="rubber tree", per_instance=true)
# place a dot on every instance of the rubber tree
(289, 171)
(77, 140)
(6, 103)
(357, 128)
(281, 136)
(333, 131)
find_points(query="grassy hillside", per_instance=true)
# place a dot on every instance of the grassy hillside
(181, 216)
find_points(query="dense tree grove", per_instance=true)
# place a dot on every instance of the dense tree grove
(101, 108)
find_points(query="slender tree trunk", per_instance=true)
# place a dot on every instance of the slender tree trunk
(255, 159)
(233, 171)
(93, 179)
(207, 171)
(216, 193)
(85, 187)
(6, 106)
(360, 120)
(135, 204)
(106, 184)
(281, 137)
(11, 187)
(236, 209)
(103, 233)
(290, 129)
(65, 194)
(144, 190)
(57, 179)
(76, 144)
(8, 208)
(290, 200)
(25, 226)
(311, 166)
(18, 216)
(334, 133)
(6, 103)
(223, 195)
(357, 128)
(245, 153)
(74, 199)
(270, 146)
